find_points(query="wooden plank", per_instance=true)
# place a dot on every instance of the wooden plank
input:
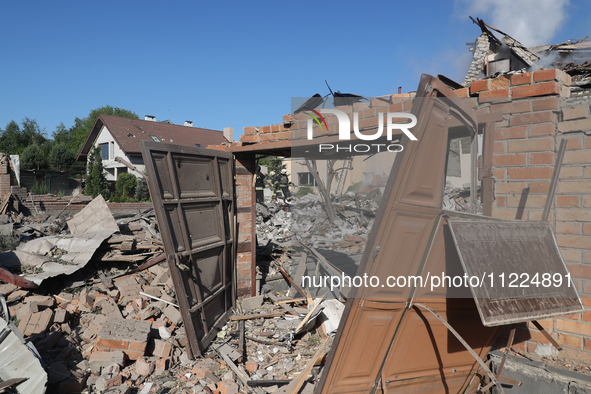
(298, 288)
(296, 384)
(240, 373)
(310, 313)
(263, 315)
(11, 382)
(287, 308)
(300, 271)
(242, 340)
(4, 205)
(289, 301)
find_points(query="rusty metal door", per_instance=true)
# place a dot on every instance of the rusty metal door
(382, 343)
(193, 194)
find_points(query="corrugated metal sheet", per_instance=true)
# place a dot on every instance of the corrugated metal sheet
(17, 361)
(524, 275)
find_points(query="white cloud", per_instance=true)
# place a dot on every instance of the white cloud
(531, 22)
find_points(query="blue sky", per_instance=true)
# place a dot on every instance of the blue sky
(236, 64)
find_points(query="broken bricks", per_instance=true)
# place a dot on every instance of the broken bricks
(127, 335)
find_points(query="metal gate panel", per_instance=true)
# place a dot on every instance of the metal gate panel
(509, 256)
(409, 351)
(422, 185)
(375, 320)
(409, 212)
(193, 196)
(441, 354)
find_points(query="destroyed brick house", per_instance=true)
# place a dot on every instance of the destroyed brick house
(117, 136)
(526, 133)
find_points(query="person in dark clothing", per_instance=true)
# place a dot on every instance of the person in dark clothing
(283, 185)
(259, 186)
(270, 181)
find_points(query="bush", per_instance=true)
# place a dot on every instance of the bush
(96, 182)
(8, 242)
(125, 187)
(32, 158)
(141, 191)
(303, 190)
(39, 188)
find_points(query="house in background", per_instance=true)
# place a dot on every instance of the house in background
(121, 137)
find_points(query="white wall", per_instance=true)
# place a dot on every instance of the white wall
(113, 168)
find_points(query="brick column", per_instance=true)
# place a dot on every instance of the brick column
(4, 180)
(245, 221)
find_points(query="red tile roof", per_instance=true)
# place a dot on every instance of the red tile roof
(129, 132)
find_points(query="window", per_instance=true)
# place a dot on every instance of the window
(155, 138)
(306, 179)
(104, 151)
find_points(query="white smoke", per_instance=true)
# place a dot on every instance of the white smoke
(531, 22)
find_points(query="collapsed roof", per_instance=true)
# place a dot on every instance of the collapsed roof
(493, 56)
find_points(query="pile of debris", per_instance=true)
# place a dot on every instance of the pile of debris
(305, 220)
(98, 338)
(55, 247)
(458, 199)
(119, 327)
(83, 329)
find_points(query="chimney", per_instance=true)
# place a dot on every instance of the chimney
(189, 123)
(399, 89)
(150, 117)
(229, 133)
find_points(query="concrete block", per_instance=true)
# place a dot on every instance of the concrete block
(128, 335)
(123, 389)
(35, 323)
(110, 309)
(7, 288)
(144, 367)
(160, 366)
(26, 309)
(164, 332)
(173, 314)
(42, 302)
(162, 349)
(125, 330)
(252, 303)
(60, 315)
(99, 360)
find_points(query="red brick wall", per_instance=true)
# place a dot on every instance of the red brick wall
(537, 117)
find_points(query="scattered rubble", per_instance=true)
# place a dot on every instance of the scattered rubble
(113, 328)
(306, 221)
(458, 199)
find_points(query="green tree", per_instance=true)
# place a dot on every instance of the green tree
(96, 182)
(60, 157)
(61, 134)
(32, 134)
(10, 138)
(125, 186)
(33, 158)
(78, 133)
(141, 191)
(273, 163)
(14, 139)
